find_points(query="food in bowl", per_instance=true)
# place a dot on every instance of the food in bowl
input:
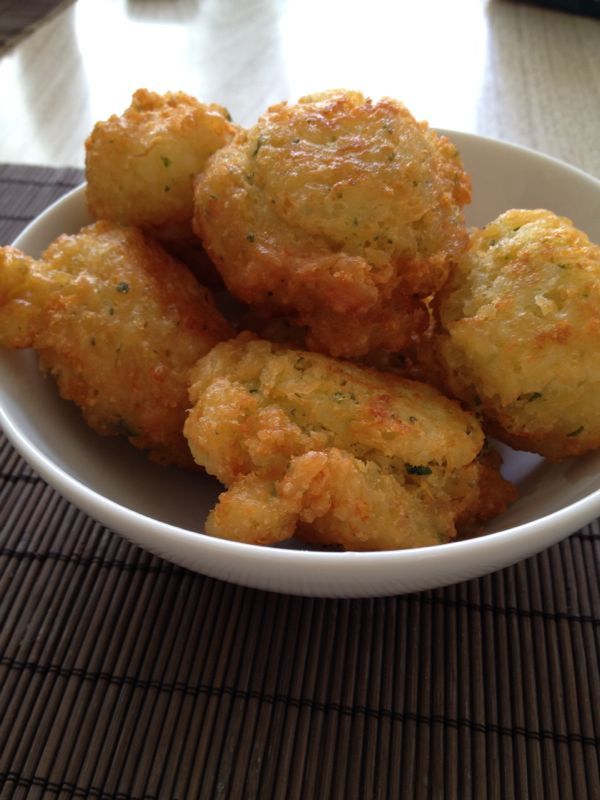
(335, 453)
(487, 495)
(140, 166)
(339, 211)
(118, 323)
(519, 332)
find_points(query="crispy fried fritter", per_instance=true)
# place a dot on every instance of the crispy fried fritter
(340, 453)
(140, 166)
(520, 332)
(339, 210)
(119, 323)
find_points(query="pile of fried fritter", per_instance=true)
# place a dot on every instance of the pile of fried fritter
(357, 342)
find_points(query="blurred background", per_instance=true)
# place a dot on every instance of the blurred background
(522, 72)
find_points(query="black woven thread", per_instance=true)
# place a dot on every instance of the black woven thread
(17, 217)
(60, 184)
(18, 478)
(88, 561)
(165, 567)
(301, 702)
(65, 786)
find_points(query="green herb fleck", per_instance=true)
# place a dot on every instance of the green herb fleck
(259, 143)
(167, 188)
(339, 397)
(250, 237)
(122, 287)
(530, 396)
(417, 469)
(412, 419)
(166, 161)
(576, 432)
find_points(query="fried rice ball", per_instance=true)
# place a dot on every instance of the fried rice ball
(339, 210)
(335, 453)
(118, 323)
(520, 332)
(140, 166)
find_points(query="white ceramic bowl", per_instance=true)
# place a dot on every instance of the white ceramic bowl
(163, 510)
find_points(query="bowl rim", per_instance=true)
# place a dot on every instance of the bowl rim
(124, 519)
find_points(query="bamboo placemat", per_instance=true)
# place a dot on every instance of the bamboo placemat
(20, 17)
(124, 676)
(590, 8)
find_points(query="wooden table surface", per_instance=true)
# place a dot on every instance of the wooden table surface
(507, 70)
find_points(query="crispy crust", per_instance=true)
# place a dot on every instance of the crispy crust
(140, 166)
(338, 453)
(339, 210)
(119, 323)
(520, 332)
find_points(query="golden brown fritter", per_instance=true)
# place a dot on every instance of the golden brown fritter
(520, 332)
(119, 323)
(338, 453)
(140, 166)
(339, 210)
